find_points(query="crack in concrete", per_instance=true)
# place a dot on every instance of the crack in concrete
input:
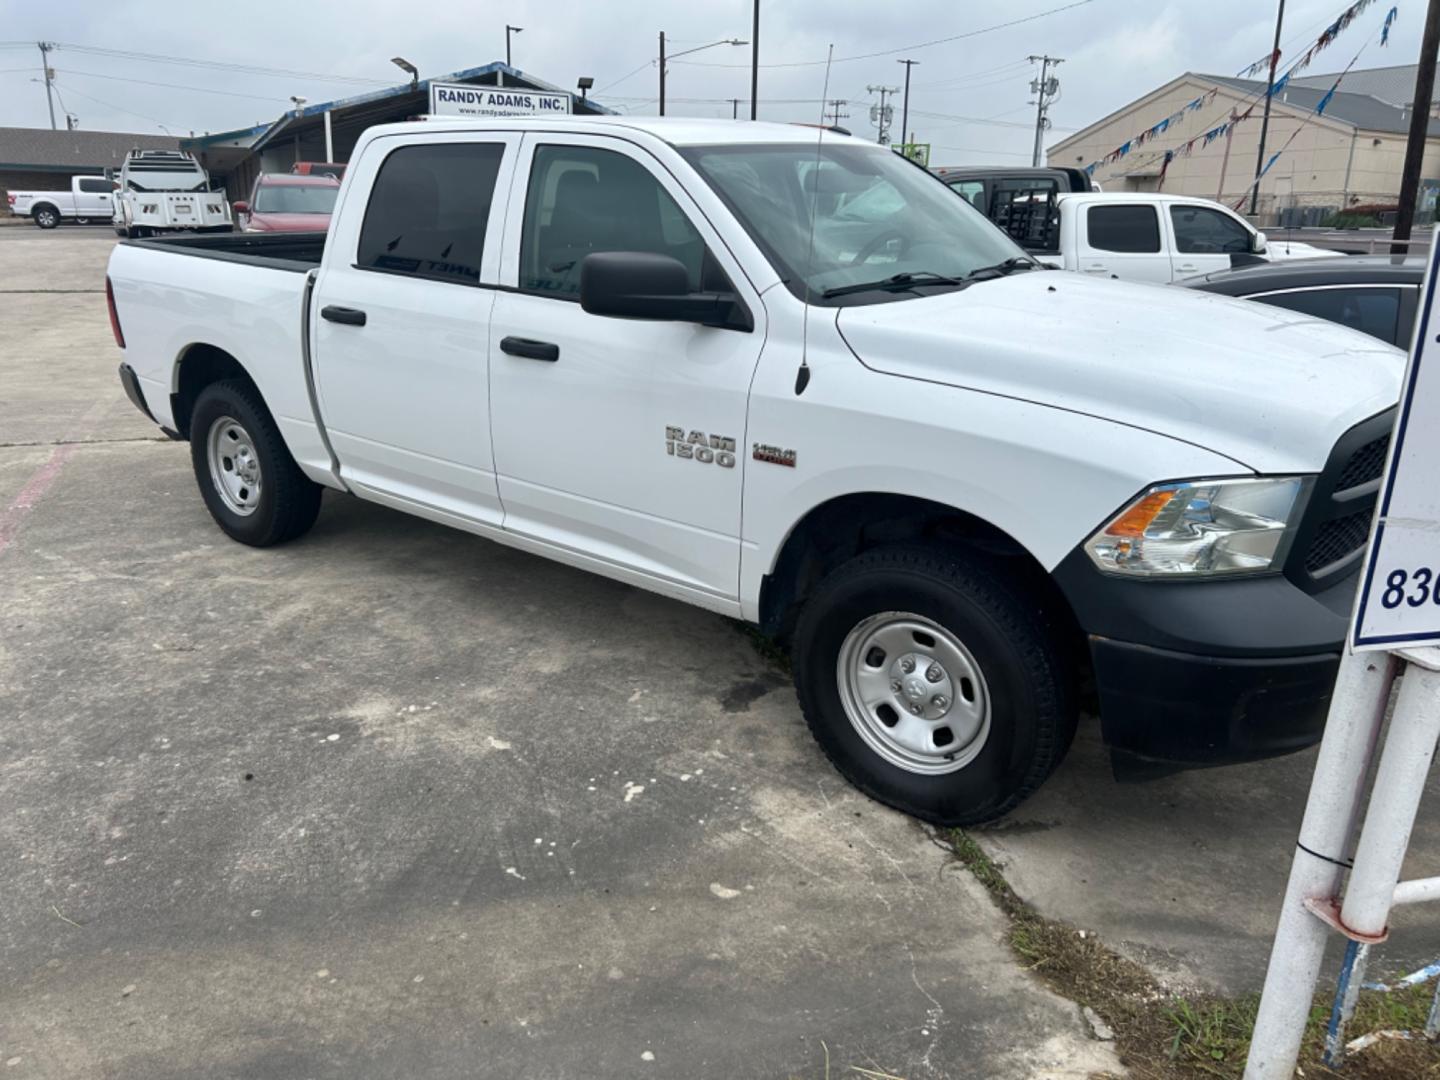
(86, 442)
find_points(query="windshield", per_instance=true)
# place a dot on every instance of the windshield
(875, 216)
(296, 198)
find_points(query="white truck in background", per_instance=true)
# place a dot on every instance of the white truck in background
(167, 191)
(90, 198)
(789, 377)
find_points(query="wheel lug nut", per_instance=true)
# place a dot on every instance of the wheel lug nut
(907, 665)
(895, 685)
(934, 673)
(916, 709)
(940, 701)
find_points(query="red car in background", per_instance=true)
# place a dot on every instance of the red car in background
(287, 202)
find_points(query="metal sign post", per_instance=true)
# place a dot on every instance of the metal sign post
(1396, 627)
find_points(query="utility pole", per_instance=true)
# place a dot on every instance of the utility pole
(1044, 89)
(905, 104)
(755, 61)
(1225, 161)
(836, 104)
(662, 72)
(881, 115)
(1265, 120)
(45, 47)
(1419, 126)
(734, 108)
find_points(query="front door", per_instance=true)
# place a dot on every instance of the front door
(1205, 238)
(93, 199)
(619, 440)
(401, 323)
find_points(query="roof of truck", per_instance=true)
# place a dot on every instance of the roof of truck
(676, 130)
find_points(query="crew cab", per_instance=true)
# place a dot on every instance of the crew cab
(1134, 236)
(90, 198)
(787, 376)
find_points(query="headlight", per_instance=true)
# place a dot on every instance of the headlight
(1203, 527)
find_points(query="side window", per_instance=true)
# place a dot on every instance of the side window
(1200, 231)
(1128, 229)
(96, 187)
(974, 190)
(428, 209)
(582, 200)
(1372, 311)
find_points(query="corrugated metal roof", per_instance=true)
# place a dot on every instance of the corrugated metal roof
(1392, 85)
(1359, 110)
(42, 148)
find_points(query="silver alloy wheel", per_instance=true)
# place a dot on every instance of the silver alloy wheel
(914, 693)
(46, 218)
(234, 465)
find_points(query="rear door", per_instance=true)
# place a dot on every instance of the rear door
(1122, 240)
(401, 316)
(1204, 238)
(618, 439)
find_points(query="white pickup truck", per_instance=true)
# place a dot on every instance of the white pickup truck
(90, 198)
(1133, 236)
(787, 376)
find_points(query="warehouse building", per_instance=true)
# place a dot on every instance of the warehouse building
(1348, 156)
(37, 159)
(328, 131)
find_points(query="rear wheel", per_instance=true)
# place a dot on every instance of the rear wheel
(251, 485)
(933, 683)
(47, 217)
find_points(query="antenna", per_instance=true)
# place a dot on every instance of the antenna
(802, 377)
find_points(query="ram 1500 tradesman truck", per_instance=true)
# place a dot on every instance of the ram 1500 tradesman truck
(788, 376)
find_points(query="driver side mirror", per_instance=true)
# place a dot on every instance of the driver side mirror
(241, 207)
(644, 285)
(1257, 244)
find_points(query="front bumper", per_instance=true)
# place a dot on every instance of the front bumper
(1209, 672)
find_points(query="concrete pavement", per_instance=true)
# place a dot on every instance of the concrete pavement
(394, 801)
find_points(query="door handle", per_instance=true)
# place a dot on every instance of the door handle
(348, 315)
(530, 349)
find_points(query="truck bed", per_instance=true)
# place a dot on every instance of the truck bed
(296, 252)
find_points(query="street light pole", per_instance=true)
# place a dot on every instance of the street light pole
(905, 104)
(1265, 119)
(755, 61)
(687, 52)
(508, 31)
(1419, 126)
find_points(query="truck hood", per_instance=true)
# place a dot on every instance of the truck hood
(1266, 387)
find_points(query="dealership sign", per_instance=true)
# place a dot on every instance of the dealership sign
(1399, 601)
(462, 99)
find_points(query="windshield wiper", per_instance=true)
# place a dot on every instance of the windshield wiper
(896, 283)
(1009, 266)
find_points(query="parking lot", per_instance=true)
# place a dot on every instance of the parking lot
(392, 800)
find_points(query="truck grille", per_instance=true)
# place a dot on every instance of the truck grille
(1332, 535)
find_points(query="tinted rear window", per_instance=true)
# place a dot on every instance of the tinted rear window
(1130, 229)
(428, 210)
(1371, 311)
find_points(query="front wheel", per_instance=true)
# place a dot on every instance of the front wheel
(932, 681)
(248, 479)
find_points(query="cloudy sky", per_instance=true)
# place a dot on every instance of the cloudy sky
(239, 64)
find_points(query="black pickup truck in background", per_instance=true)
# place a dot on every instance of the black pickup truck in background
(1019, 200)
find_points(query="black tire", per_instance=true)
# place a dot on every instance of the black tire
(289, 500)
(82, 221)
(46, 217)
(1023, 663)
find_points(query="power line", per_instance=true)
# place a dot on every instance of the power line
(109, 105)
(990, 121)
(907, 48)
(219, 65)
(622, 78)
(171, 86)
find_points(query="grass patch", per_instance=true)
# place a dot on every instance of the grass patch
(1162, 1036)
(770, 650)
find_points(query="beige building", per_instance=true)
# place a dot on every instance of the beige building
(1351, 155)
